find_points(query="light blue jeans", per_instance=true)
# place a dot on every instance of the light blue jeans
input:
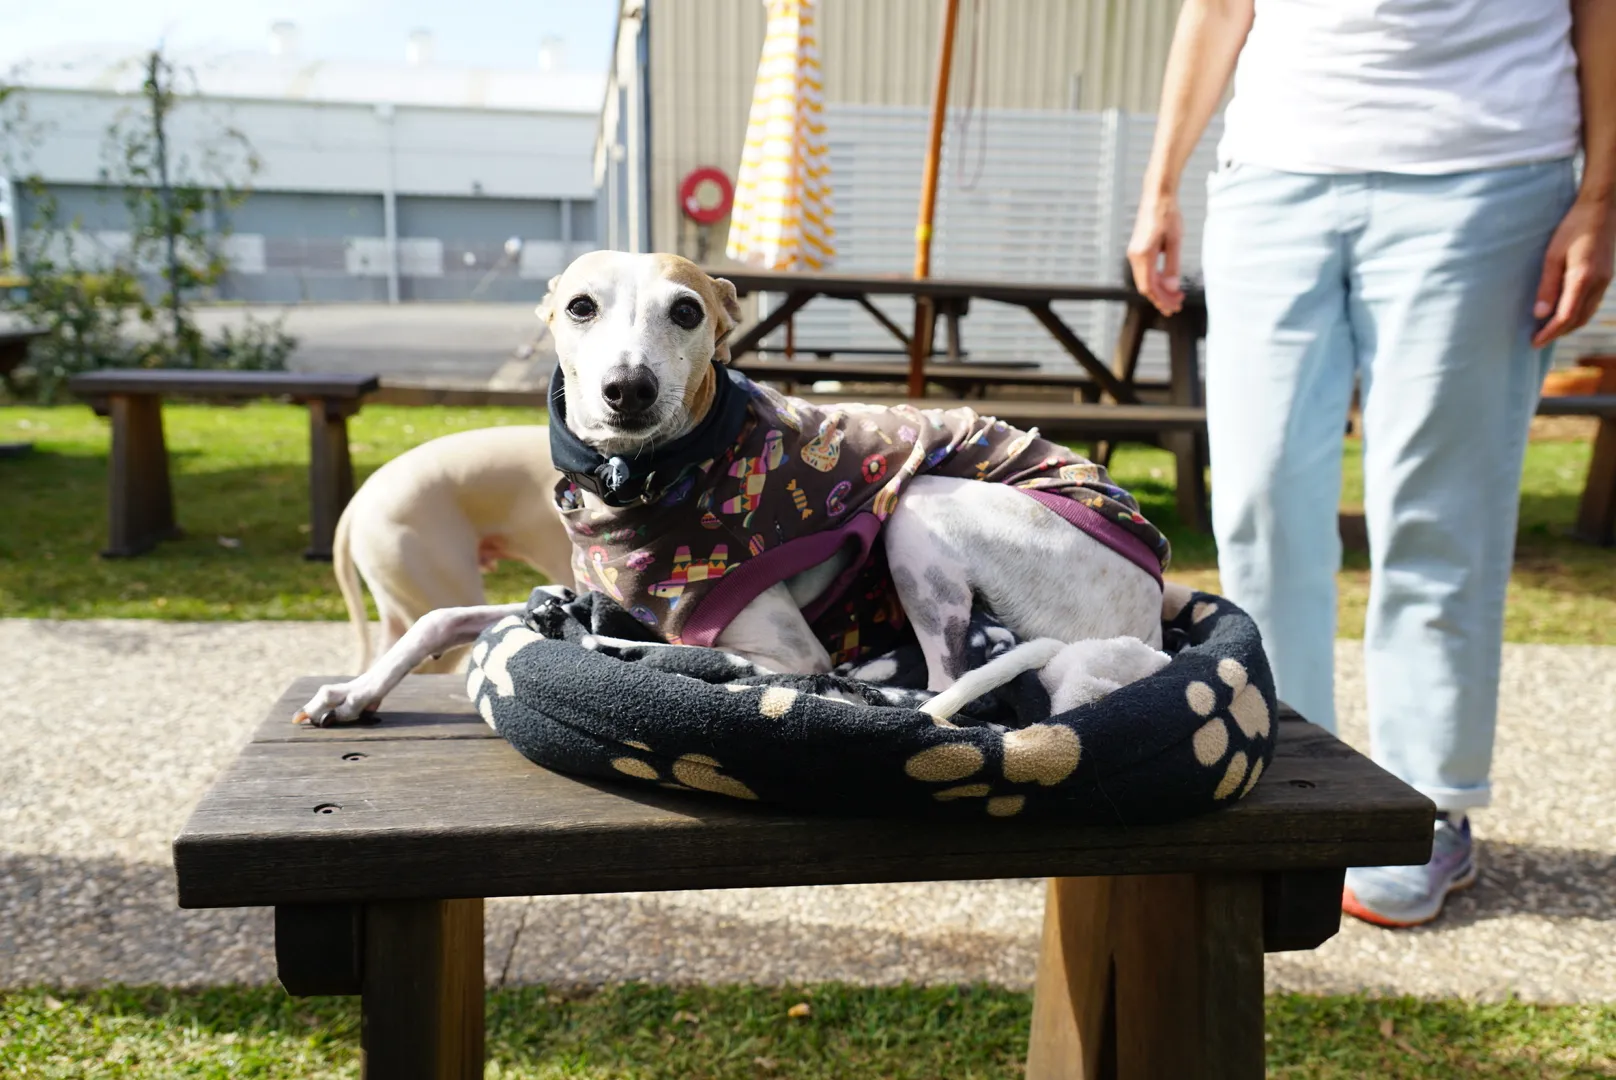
(1420, 289)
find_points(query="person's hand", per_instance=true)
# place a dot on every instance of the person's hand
(1576, 269)
(1158, 234)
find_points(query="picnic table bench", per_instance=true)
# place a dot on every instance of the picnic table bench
(967, 380)
(140, 508)
(376, 845)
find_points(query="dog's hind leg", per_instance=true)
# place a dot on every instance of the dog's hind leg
(935, 593)
(422, 574)
(953, 543)
(771, 633)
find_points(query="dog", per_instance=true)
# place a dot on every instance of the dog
(659, 443)
(424, 527)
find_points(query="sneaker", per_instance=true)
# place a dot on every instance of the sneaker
(1399, 896)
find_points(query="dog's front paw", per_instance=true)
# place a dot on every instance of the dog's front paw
(338, 703)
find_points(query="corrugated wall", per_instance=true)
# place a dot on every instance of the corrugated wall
(1029, 54)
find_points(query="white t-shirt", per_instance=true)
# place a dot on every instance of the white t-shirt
(1407, 86)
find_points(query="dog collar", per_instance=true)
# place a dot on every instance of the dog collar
(620, 481)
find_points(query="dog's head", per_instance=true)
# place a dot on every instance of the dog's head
(636, 336)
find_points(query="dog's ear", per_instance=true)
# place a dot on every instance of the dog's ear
(729, 317)
(546, 306)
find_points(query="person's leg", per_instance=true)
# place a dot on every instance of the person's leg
(1279, 374)
(1444, 278)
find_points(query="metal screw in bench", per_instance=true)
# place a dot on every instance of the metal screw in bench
(327, 808)
(1301, 783)
(355, 756)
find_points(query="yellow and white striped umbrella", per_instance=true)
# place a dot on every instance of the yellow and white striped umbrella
(782, 214)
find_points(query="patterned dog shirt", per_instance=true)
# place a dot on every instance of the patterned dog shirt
(769, 486)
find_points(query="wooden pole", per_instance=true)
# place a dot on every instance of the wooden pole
(925, 311)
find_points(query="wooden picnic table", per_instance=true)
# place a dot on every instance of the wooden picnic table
(140, 506)
(376, 845)
(1116, 383)
(951, 298)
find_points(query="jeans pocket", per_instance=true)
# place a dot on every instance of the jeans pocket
(1224, 175)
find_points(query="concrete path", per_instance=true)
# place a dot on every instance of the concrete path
(448, 344)
(109, 731)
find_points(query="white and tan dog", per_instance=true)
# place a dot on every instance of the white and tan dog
(636, 336)
(422, 529)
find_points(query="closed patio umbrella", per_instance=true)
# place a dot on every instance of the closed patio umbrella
(782, 214)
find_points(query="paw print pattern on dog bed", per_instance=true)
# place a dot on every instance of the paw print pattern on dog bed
(576, 686)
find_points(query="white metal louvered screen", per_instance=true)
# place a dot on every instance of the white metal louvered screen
(1023, 196)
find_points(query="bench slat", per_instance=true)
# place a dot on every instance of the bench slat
(1057, 419)
(877, 371)
(243, 384)
(1578, 405)
(420, 708)
(849, 286)
(437, 816)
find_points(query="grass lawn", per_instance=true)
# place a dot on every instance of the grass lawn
(240, 492)
(660, 1033)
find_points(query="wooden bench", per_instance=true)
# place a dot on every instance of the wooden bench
(826, 352)
(962, 379)
(377, 844)
(140, 510)
(1596, 514)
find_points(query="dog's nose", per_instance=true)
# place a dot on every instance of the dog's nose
(629, 390)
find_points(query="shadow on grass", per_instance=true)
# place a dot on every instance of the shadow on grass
(1404, 1038)
(661, 1033)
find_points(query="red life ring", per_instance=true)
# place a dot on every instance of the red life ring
(693, 207)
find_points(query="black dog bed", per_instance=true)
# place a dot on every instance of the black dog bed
(578, 686)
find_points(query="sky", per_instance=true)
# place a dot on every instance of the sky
(465, 33)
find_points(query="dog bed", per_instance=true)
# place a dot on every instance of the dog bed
(578, 686)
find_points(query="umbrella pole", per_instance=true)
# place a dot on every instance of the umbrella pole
(925, 309)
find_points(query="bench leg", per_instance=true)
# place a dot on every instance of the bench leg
(1596, 517)
(1191, 497)
(1150, 977)
(953, 314)
(922, 344)
(140, 500)
(1189, 448)
(422, 1003)
(330, 474)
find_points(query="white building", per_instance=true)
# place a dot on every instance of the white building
(400, 182)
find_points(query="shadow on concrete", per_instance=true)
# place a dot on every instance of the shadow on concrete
(1532, 879)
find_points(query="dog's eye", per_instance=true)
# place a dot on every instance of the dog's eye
(686, 313)
(582, 307)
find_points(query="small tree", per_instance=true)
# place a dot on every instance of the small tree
(178, 211)
(176, 206)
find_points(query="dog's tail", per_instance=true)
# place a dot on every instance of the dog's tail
(352, 589)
